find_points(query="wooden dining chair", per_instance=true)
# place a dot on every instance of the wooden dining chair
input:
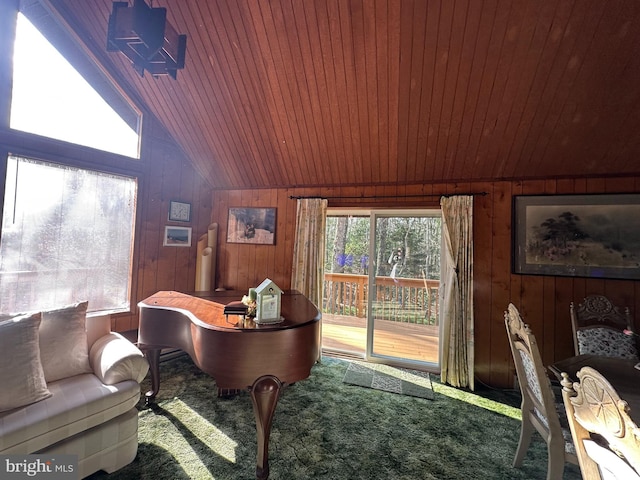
(541, 411)
(598, 329)
(606, 439)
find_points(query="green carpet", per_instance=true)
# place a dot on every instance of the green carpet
(389, 379)
(326, 429)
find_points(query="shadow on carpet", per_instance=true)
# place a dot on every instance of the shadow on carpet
(390, 379)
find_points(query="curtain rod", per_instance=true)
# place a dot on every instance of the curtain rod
(366, 197)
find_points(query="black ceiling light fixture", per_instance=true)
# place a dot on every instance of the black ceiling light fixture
(143, 34)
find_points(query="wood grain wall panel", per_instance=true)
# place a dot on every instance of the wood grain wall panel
(244, 83)
(427, 72)
(452, 19)
(170, 178)
(287, 87)
(543, 94)
(557, 336)
(321, 47)
(465, 160)
(261, 98)
(386, 48)
(365, 54)
(347, 113)
(550, 101)
(607, 41)
(510, 23)
(404, 151)
(619, 185)
(482, 271)
(498, 29)
(612, 33)
(500, 282)
(279, 102)
(532, 70)
(318, 91)
(462, 94)
(150, 235)
(167, 176)
(207, 104)
(354, 46)
(219, 215)
(543, 300)
(287, 33)
(516, 280)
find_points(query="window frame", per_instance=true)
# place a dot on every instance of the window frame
(132, 265)
(25, 144)
(63, 37)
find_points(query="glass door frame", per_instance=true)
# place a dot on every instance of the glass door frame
(370, 356)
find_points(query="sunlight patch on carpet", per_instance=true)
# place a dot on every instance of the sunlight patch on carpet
(214, 439)
(478, 401)
(390, 379)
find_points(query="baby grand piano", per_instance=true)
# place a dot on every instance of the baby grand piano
(238, 353)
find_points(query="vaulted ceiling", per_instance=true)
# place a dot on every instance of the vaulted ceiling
(330, 92)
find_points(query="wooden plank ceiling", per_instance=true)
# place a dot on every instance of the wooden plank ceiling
(355, 92)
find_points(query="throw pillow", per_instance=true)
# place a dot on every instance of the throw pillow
(21, 374)
(63, 342)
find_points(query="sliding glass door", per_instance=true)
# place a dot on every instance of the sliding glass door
(382, 271)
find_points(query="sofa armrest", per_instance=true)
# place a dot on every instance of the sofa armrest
(115, 359)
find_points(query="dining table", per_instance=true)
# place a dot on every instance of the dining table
(623, 375)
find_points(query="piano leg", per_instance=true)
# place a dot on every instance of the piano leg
(153, 357)
(264, 393)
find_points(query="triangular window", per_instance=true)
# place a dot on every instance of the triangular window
(50, 98)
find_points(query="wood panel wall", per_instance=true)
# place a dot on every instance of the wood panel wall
(542, 300)
(168, 176)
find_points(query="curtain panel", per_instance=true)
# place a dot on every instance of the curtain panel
(307, 273)
(457, 342)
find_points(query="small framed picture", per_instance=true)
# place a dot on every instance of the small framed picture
(177, 236)
(179, 211)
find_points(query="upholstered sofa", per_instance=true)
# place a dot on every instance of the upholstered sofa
(69, 386)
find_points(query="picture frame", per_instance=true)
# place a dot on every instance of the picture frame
(593, 236)
(251, 225)
(177, 236)
(179, 211)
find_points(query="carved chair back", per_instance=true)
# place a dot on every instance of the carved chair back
(599, 328)
(606, 439)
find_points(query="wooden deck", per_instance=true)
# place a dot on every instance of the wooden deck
(403, 340)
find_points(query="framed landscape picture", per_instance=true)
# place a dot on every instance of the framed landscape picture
(594, 236)
(177, 236)
(252, 225)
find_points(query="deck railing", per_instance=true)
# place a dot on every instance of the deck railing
(400, 299)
